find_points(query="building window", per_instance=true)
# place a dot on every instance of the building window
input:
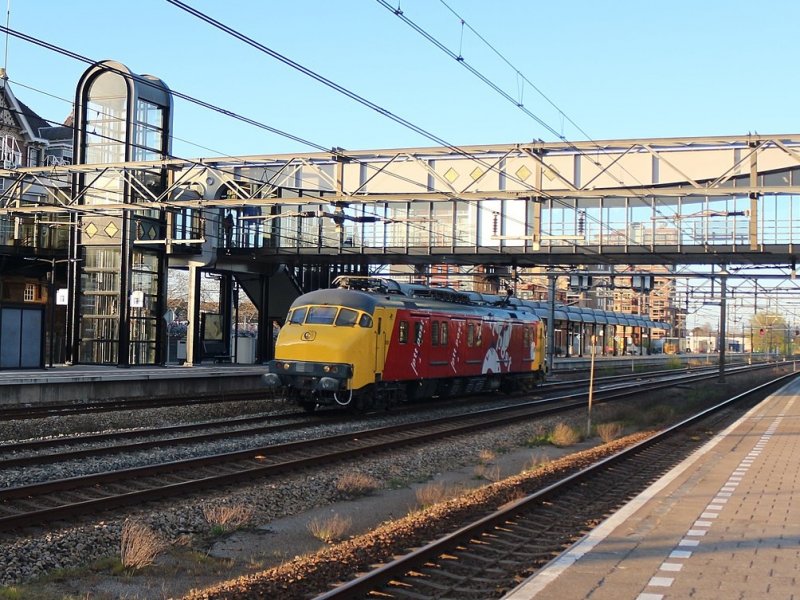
(33, 157)
(29, 295)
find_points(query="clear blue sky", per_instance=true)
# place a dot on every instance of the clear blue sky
(618, 69)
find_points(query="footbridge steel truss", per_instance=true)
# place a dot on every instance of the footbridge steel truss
(725, 200)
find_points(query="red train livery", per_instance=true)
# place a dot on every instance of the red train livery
(374, 342)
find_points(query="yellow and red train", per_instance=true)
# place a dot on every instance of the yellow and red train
(373, 342)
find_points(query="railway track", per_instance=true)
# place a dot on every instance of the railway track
(487, 558)
(28, 453)
(44, 410)
(41, 411)
(64, 448)
(33, 504)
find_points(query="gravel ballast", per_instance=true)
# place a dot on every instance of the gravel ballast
(182, 524)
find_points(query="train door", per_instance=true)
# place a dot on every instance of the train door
(439, 358)
(381, 343)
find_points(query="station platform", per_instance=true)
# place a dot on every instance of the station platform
(80, 383)
(725, 523)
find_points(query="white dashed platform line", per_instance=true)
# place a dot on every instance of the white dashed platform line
(712, 509)
(531, 588)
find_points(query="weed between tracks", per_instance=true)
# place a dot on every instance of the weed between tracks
(330, 529)
(354, 485)
(225, 517)
(139, 546)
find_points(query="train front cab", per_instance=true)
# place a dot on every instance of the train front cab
(328, 355)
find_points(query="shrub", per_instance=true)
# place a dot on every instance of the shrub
(563, 435)
(608, 432)
(224, 517)
(330, 529)
(140, 545)
(353, 485)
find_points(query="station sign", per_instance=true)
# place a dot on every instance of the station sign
(62, 296)
(137, 299)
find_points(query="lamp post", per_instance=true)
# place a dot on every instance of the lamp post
(591, 388)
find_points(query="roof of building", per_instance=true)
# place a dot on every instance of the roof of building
(36, 122)
(43, 128)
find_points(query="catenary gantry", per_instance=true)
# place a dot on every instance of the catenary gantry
(728, 200)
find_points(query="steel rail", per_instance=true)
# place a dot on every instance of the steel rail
(400, 574)
(57, 410)
(64, 453)
(222, 469)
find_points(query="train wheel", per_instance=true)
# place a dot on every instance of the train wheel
(309, 406)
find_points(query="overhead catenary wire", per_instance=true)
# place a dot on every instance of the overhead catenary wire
(204, 104)
(229, 113)
(89, 209)
(225, 111)
(348, 93)
(518, 103)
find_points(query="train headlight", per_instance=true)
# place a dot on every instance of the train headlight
(286, 366)
(330, 368)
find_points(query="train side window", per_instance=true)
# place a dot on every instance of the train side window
(435, 333)
(366, 321)
(346, 317)
(478, 336)
(402, 332)
(418, 333)
(471, 335)
(443, 334)
(298, 315)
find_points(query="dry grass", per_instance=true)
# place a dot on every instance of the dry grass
(226, 517)
(353, 485)
(536, 460)
(140, 545)
(487, 472)
(563, 435)
(608, 432)
(486, 456)
(514, 495)
(331, 529)
(433, 493)
(539, 437)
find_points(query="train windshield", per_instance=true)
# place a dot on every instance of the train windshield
(321, 315)
(298, 315)
(347, 317)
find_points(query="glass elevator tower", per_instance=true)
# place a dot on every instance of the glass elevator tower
(117, 254)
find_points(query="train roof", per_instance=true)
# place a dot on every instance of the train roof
(367, 297)
(365, 293)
